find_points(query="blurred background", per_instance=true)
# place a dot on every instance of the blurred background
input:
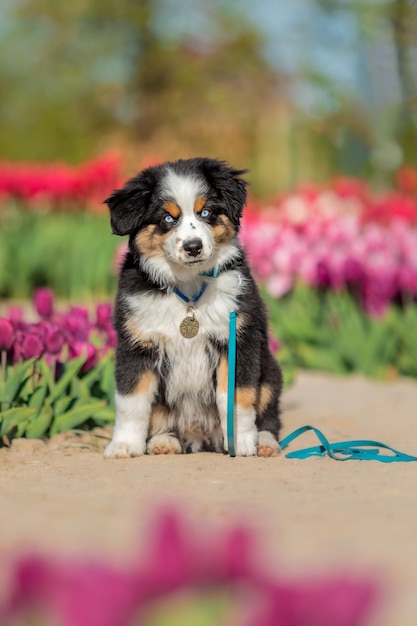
(295, 90)
(316, 97)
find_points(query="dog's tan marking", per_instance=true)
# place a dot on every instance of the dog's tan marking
(246, 397)
(264, 398)
(144, 382)
(136, 335)
(199, 204)
(173, 209)
(149, 241)
(159, 422)
(222, 375)
(240, 322)
(224, 230)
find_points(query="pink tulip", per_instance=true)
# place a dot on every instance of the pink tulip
(44, 302)
(54, 341)
(279, 284)
(103, 316)
(87, 350)
(7, 335)
(32, 347)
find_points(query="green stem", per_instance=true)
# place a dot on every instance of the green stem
(3, 373)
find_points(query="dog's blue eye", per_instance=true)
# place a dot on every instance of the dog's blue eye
(169, 219)
(205, 213)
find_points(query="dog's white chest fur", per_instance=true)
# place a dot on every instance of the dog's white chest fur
(191, 361)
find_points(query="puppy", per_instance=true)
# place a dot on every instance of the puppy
(184, 273)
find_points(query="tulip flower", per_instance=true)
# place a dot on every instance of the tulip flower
(54, 341)
(32, 347)
(103, 315)
(96, 593)
(43, 301)
(6, 334)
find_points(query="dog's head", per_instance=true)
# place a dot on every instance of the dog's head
(181, 214)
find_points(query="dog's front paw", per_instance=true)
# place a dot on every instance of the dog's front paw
(122, 450)
(164, 444)
(267, 444)
(246, 444)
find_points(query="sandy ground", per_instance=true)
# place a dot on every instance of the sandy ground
(312, 516)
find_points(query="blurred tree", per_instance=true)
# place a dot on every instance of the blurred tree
(80, 71)
(387, 50)
(402, 15)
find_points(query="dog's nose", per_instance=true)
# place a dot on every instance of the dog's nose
(193, 247)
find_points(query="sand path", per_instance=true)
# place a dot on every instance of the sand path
(311, 516)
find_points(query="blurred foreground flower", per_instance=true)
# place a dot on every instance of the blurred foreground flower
(89, 593)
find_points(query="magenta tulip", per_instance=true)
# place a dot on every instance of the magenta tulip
(7, 335)
(86, 350)
(44, 302)
(97, 593)
(32, 347)
(54, 341)
(103, 315)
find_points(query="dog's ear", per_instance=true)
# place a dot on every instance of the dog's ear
(129, 205)
(228, 183)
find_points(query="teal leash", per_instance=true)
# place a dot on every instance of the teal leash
(356, 449)
(231, 386)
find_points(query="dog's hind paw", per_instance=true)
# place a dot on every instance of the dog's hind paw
(267, 444)
(164, 444)
(120, 450)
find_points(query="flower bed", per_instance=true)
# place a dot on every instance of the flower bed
(59, 185)
(377, 263)
(181, 579)
(338, 267)
(57, 373)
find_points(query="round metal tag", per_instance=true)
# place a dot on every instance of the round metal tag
(189, 327)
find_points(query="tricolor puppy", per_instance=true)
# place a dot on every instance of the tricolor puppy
(184, 273)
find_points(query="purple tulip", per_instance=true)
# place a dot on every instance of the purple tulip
(43, 301)
(7, 335)
(54, 341)
(103, 315)
(87, 350)
(32, 347)
(77, 323)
